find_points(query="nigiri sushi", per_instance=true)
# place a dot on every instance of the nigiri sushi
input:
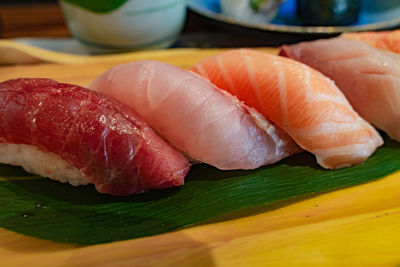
(205, 123)
(369, 77)
(385, 40)
(71, 134)
(300, 100)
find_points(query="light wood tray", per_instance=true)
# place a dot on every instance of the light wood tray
(355, 226)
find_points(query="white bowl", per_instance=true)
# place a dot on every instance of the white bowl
(135, 25)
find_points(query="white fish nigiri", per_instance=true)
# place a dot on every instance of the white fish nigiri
(207, 124)
(369, 77)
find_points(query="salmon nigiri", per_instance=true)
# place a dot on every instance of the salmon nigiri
(300, 100)
(369, 77)
(205, 123)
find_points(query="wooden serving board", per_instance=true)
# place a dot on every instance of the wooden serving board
(358, 225)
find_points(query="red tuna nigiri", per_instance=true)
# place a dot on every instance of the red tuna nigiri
(69, 133)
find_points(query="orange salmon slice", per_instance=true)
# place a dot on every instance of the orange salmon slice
(297, 98)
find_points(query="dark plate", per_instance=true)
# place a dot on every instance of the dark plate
(370, 18)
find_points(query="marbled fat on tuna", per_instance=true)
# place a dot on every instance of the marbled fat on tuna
(94, 138)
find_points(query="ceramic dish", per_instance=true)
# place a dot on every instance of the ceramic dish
(370, 18)
(135, 25)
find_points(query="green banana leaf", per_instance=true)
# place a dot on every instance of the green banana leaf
(51, 210)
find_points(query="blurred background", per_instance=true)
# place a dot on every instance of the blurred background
(44, 18)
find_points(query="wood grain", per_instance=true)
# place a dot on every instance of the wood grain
(32, 20)
(12, 52)
(355, 226)
(359, 224)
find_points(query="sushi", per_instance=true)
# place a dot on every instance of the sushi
(71, 134)
(385, 40)
(369, 77)
(204, 122)
(300, 100)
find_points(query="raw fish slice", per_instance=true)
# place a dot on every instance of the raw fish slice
(386, 40)
(70, 133)
(369, 77)
(300, 100)
(207, 124)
